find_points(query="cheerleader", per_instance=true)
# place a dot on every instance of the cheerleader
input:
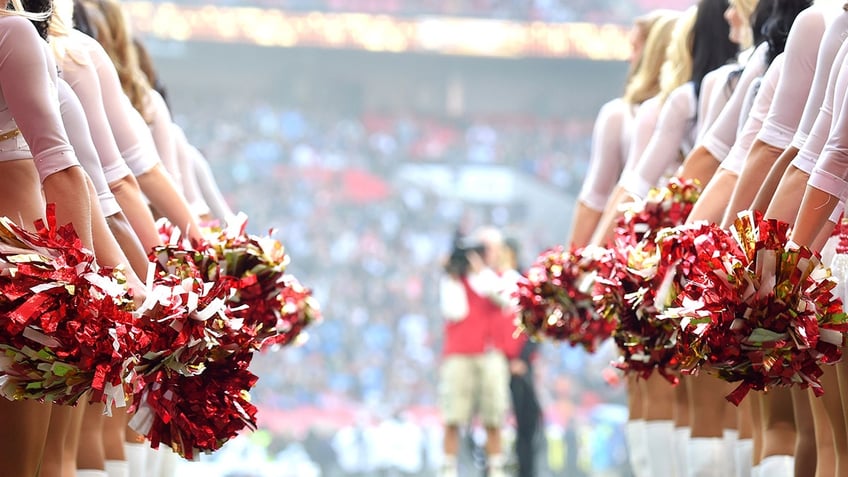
(703, 160)
(611, 136)
(33, 123)
(675, 132)
(199, 185)
(826, 187)
(611, 142)
(135, 145)
(125, 151)
(160, 182)
(80, 71)
(712, 204)
(199, 182)
(665, 146)
(785, 206)
(750, 159)
(679, 126)
(682, 80)
(60, 458)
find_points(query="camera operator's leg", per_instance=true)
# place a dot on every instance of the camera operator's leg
(456, 387)
(494, 401)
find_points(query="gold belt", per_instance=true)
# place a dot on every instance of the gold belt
(9, 134)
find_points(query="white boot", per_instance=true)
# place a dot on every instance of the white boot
(731, 437)
(634, 433)
(681, 449)
(154, 460)
(91, 473)
(136, 455)
(744, 455)
(496, 465)
(169, 462)
(709, 457)
(660, 438)
(755, 471)
(449, 467)
(117, 468)
(778, 466)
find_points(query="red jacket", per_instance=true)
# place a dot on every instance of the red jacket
(482, 330)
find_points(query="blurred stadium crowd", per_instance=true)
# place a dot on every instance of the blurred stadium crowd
(333, 170)
(372, 246)
(593, 11)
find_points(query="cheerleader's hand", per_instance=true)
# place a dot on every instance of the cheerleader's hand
(137, 289)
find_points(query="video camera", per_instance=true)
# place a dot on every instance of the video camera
(458, 264)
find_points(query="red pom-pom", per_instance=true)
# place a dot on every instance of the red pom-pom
(254, 268)
(632, 277)
(770, 317)
(69, 328)
(211, 304)
(192, 414)
(298, 308)
(555, 298)
(692, 261)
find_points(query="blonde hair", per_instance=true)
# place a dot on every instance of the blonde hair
(98, 23)
(18, 10)
(643, 24)
(62, 20)
(61, 24)
(119, 46)
(677, 68)
(745, 8)
(644, 82)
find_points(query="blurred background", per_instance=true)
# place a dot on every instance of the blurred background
(366, 132)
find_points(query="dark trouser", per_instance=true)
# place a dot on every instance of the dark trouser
(527, 417)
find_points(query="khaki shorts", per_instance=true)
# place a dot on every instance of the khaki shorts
(475, 382)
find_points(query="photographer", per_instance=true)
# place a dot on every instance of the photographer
(521, 351)
(474, 372)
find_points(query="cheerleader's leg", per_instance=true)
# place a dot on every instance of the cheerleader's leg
(805, 434)
(708, 453)
(22, 442)
(154, 460)
(90, 455)
(170, 461)
(745, 443)
(834, 415)
(778, 434)
(660, 438)
(113, 443)
(55, 461)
